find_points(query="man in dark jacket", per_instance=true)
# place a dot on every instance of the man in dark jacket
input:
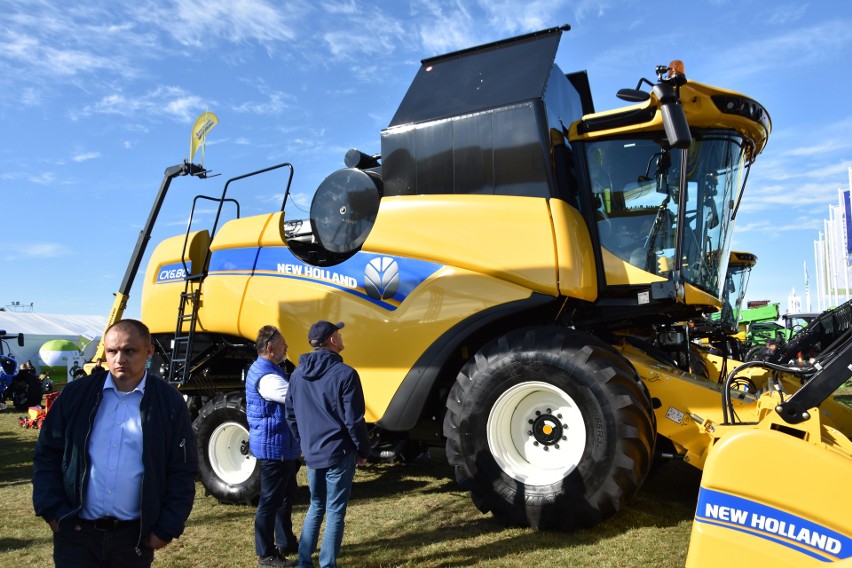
(272, 443)
(115, 464)
(325, 411)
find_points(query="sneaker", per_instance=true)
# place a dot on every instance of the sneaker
(277, 561)
(291, 548)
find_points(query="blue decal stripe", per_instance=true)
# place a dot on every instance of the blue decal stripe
(381, 280)
(390, 304)
(229, 273)
(358, 290)
(770, 523)
(819, 555)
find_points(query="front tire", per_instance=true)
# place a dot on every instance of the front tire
(228, 470)
(549, 428)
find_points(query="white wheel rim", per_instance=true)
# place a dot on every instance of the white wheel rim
(228, 451)
(536, 433)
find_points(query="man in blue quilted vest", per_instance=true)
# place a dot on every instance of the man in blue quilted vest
(274, 447)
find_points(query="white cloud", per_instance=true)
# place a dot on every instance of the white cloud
(235, 21)
(767, 226)
(800, 48)
(510, 17)
(444, 27)
(43, 178)
(365, 33)
(85, 156)
(275, 101)
(347, 7)
(783, 15)
(42, 42)
(172, 101)
(39, 250)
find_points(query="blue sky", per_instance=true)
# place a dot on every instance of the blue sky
(98, 98)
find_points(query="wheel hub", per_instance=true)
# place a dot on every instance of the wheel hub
(547, 429)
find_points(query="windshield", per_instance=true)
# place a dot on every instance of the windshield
(638, 197)
(796, 322)
(733, 294)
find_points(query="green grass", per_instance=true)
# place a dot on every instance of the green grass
(399, 516)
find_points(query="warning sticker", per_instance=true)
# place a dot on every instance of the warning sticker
(674, 415)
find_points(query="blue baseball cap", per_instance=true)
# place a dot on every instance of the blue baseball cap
(321, 331)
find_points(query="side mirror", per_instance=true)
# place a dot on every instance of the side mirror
(633, 95)
(674, 118)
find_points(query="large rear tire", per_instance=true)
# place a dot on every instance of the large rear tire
(549, 428)
(228, 470)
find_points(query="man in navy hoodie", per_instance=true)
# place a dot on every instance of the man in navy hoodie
(325, 412)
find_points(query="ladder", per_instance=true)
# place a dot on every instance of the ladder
(181, 359)
(183, 356)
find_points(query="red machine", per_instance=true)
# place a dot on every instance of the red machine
(36, 413)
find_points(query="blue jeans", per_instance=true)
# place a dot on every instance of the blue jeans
(330, 489)
(272, 521)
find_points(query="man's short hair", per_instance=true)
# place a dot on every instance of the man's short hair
(321, 331)
(133, 325)
(265, 335)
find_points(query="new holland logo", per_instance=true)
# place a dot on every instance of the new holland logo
(381, 278)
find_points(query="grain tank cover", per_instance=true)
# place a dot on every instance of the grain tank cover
(485, 77)
(482, 121)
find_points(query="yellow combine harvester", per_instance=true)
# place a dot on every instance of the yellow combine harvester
(517, 273)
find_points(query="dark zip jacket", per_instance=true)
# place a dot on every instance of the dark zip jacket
(61, 463)
(325, 409)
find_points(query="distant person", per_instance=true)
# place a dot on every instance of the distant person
(115, 464)
(275, 448)
(325, 411)
(75, 371)
(99, 366)
(766, 352)
(27, 368)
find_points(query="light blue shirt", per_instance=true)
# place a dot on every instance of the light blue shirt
(114, 487)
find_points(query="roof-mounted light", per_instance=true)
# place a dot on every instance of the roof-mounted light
(743, 106)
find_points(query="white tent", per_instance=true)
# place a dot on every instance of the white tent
(83, 331)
